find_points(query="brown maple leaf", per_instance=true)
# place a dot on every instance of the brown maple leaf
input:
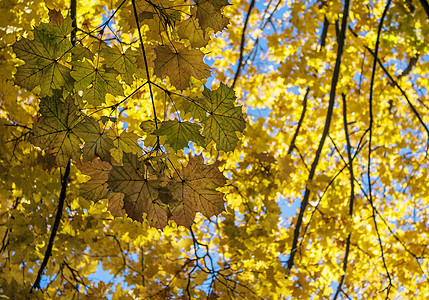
(179, 64)
(193, 190)
(140, 190)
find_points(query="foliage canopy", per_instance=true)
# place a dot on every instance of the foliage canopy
(207, 149)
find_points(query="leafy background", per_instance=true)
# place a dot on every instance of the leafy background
(311, 127)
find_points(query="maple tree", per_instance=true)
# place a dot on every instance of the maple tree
(214, 149)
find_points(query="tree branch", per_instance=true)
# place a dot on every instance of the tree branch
(371, 122)
(55, 226)
(411, 65)
(414, 110)
(425, 5)
(73, 17)
(352, 195)
(301, 119)
(324, 33)
(262, 27)
(243, 40)
(335, 78)
(307, 92)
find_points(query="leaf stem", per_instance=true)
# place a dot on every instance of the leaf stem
(146, 68)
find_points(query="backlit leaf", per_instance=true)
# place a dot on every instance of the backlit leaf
(44, 58)
(56, 131)
(194, 190)
(95, 188)
(123, 62)
(79, 53)
(116, 204)
(140, 61)
(97, 143)
(95, 82)
(209, 16)
(140, 190)
(179, 64)
(218, 4)
(179, 134)
(123, 142)
(191, 30)
(156, 15)
(222, 118)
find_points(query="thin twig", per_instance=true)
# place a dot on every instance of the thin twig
(102, 26)
(414, 110)
(352, 196)
(262, 27)
(146, 67)
(371, 122)
(359, 148)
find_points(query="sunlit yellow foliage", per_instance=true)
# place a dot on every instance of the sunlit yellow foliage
(324, 173)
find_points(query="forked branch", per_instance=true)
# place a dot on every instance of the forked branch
(335, 77)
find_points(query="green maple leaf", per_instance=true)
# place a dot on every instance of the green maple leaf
(80, 52)
(193, 189)
(179, 134)
(124, 142)
(191, 30)
(44, 58)
(123, 62)
(95, 82)
(140, 190)
(219, 116)
(57, 129)
(97, 142)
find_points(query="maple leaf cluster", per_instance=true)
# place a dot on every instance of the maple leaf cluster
(70, 79)
(120, 118)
